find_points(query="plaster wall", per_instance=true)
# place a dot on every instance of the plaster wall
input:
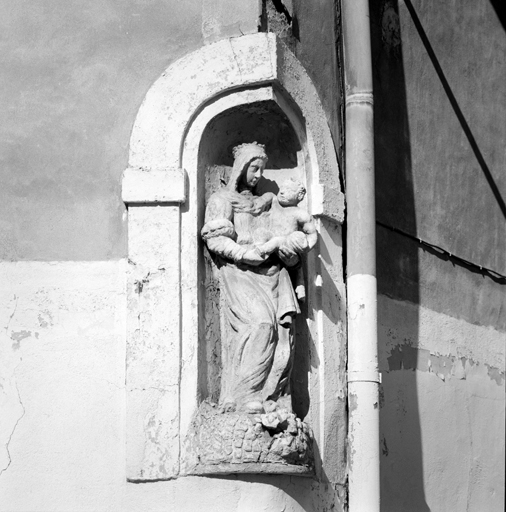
(73, 77)
(63, 414)
(62, 362)
(439, 123)
(439, 94)
(442, 411)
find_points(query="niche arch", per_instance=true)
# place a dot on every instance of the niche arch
(246, 113)
(164, 145)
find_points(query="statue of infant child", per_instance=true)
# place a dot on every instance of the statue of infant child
(289, 224)
(289, 229)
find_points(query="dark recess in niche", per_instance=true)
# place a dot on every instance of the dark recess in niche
(263, 122)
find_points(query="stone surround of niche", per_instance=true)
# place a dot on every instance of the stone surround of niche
(168, 374)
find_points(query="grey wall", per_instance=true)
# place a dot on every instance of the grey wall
(73, 77)
(316, 47)
(439, 131)
(434, 149)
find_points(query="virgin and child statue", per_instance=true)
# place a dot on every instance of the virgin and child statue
(255, 240)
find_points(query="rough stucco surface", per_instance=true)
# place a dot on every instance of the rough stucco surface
(73, 77)
(442, 347)
(472, 56)
(229, 18)
(316, 28)
(442, 411)
(62, 359)
(428, 179)
(421, 277)
(62, 395)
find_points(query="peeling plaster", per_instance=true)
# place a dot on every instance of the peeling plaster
(352, 402)
(390, 28)
(62, 397)
(442, 409)
(45, 319)
(495, 374)
(407, 357)
(18, 336)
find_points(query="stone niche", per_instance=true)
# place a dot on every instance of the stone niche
(274, 440)
(265, 123)
(235, 91)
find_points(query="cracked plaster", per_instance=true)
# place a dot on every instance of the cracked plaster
(61, 387)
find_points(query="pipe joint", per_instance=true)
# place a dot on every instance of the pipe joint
(360, 98)
(364, 376)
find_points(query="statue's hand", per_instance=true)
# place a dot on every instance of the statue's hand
(253, 257)
(294, 244)
(288, 257)
(297, 241)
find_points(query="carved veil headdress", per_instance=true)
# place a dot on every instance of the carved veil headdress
(243, 155)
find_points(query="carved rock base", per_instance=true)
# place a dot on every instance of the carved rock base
(234, 442)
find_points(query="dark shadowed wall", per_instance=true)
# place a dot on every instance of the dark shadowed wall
(440, 108)
(438, 150)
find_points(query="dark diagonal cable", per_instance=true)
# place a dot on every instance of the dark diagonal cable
(456, 108)
(448, 256)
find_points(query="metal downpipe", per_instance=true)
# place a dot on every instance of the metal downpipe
(363, 376)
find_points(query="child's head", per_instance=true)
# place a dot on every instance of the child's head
(291, 192)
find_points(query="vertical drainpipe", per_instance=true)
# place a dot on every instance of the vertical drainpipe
(363, 376)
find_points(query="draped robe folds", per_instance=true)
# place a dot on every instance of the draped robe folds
(257, 306)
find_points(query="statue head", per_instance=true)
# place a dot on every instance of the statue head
(249, 164)
(291, 192)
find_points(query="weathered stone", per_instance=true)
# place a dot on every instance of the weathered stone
(280, 450)
(254, 240)
(142, 186)
(270, 420)
(179, 95)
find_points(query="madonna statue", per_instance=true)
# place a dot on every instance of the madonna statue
(253, 241)
(259, 301)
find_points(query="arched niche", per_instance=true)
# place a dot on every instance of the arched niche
(266, 123)
(180, 133)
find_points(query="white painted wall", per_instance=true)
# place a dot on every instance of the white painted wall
(62, 401)
(62, 373)
(442, 425)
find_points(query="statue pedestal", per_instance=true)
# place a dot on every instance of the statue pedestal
(233, 442)
(252, 468)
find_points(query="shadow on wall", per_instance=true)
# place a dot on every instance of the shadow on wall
(309, 494)
(500, 9)
(401, 466)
